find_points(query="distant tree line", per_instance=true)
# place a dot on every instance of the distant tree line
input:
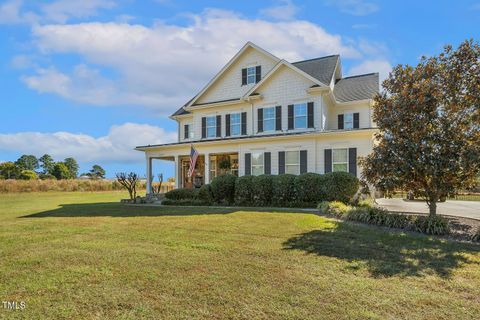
(29, 167)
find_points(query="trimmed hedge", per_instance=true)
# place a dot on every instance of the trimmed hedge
(309, 188)
(181, 194)
(283, 190)
(244, 191)
(262, 190)
(223, 189)
(435, 225)
(339, 186)
(205, 194)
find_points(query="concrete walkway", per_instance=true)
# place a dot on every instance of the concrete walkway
(468, 209)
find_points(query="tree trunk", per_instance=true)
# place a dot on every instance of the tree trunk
(432, 206)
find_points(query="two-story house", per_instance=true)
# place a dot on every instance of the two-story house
(264, 115)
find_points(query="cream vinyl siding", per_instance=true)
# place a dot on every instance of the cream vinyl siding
(363, 109)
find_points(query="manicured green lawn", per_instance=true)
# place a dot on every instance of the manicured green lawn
(83, 255)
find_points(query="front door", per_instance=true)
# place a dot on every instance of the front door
(197, 179)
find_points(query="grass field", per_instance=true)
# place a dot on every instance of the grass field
(83, 255)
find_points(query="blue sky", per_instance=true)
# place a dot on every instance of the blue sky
(91, 79)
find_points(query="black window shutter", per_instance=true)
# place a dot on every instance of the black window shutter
(227, 125)
(340, 121)
(356, 120)
(248, 164)
(303, 161)
(244, 76)
(281, 162)
(185, 131)
(204, 127)
(290, 117)
(260, 120)
(328, 160)
(219, 126)
(258, 73)
(244, 123)
(278, 118)
(267, 163)
(352, 161)
(310, 115)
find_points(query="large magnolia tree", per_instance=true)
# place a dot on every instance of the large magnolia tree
(429, 122)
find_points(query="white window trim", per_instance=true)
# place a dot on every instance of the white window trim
(297, 164)
(274, 118)
(254, 74)
(345, 120)
(262, 165)
(207, 126)
(191, 133)
(239, 124)
(295, 117)
(334, 163)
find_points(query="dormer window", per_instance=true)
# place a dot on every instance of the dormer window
(251, 75)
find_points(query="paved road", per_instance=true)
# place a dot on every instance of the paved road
(469, 209)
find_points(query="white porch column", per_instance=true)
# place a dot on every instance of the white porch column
(149, 174)
(207, 168)
(178, 172)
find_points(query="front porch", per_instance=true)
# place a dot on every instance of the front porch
(208, 166)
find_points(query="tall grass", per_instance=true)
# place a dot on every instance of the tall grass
(12, 186)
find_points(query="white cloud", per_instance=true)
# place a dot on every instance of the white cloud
(286, 10)
(117, 146)
(383, 67)
(63, 10)
(11, 13)
(164, 65)
(354, 7)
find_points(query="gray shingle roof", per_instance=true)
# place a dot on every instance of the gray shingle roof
(359, 87)
(319, 68)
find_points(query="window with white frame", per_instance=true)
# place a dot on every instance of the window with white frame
(211, 127)
(251, 75)
(189, 128)
(269, 119)
(348, 121)
(292, 162)
(257, 163)
(340, 160)
(300, 115)
(235, 124)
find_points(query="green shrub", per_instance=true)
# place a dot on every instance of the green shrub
(283, 190)
(27, 175)
(336, 208)
(223, 189)
(340, 186)
(244, 191)
(205, 194)
(184, 202)
(309, 188)
(182, 194)
(436, 225)
(262, 190)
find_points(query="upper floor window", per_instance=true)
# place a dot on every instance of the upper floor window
(349, 121)
(211, 127)
(300, 114)
(188, 131)
(292, 162)
(340, 160)
(251, 75)
(235, 124)
(257, 163)
(269, 119)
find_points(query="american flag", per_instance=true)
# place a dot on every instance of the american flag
(193, 160)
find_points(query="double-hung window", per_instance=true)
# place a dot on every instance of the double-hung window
(292, 162)
(211, 127)
(257, 163)
(188, 134)
(251, 75)
(340, 160)
(269, 119)
(348, 121)
(235, 124)
(300, 115)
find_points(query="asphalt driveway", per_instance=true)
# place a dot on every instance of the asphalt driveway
(468, 209)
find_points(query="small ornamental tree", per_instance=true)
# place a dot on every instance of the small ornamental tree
(429, 121)
(129, 181)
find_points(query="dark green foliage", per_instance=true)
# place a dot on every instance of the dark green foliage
(46, 176)
(60, 171)
(72, 166)
(223, 188)
(27, 175)
(432, 224)
(283, 190)
(9, 170)
(184, 202)
(340, 186)
(205, 194)
(182, 194)
(309, 188)
(27, 162)
(97, 172)
(476, 236)
(47, 163)
(262, 190)
(244, 191)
